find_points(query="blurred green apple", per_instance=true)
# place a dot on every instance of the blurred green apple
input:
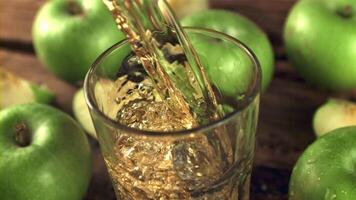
(69, 35)
(320, 38)
(241, 28)
(44, 154)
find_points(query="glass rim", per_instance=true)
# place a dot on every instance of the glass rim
(92, 105)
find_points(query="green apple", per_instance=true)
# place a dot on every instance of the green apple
(335, 113)
(69, 35)
(320, 38)
(44, 154)
(241, 28)
(16, 90)
(326, 170)
(82, 114)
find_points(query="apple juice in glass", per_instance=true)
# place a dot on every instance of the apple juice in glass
(175, 117)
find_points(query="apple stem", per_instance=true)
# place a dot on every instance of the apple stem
(22, 135)
(74, 8)
(346, 12)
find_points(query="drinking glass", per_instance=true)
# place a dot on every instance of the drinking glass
(212, 161)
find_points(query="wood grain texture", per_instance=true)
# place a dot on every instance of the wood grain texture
(100, 186)
(285, 126)
(16, 19)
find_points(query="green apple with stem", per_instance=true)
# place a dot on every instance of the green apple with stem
(44, 154)
(69, 35)
(320, 37)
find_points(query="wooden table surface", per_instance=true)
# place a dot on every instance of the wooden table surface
(286, 108)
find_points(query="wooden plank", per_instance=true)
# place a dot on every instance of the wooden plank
(16, 16)
(269, 183)
(285, 124)
(16, 19)
(28, 67)
(100, 185)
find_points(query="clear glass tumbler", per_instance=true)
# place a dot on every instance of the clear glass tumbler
(212, 161)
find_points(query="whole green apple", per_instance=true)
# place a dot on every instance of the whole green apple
(44, 154)
(69, 35)
(241, 28)
(326, 170)
(320, 38)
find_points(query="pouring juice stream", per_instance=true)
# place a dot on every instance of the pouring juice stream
(167, 56)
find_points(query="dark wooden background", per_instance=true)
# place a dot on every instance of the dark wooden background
(286, 108)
